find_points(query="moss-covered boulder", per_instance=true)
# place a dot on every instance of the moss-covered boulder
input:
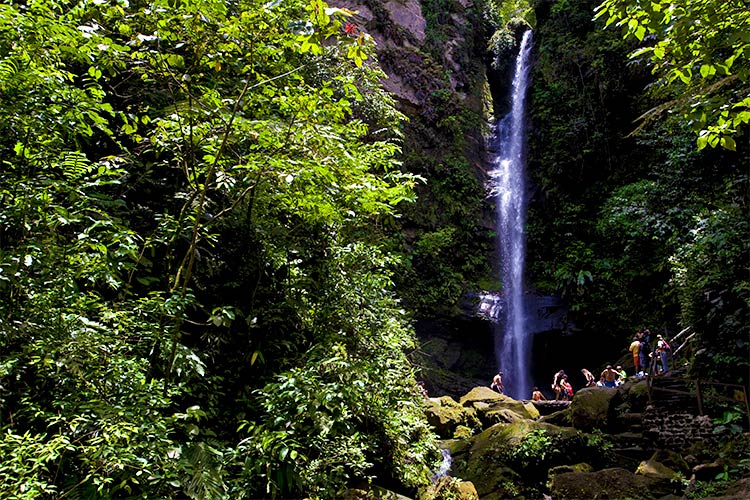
(590, 408)
(512, 460)
(371, 493)
(673, 460)
(445, 415)
(481, 394)
(451, 488)
(657, 470)
(634, 393)
(492, 407)
(564, 469)
(560, 418)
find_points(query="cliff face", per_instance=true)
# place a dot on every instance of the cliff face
(423, 48)
(435, 55)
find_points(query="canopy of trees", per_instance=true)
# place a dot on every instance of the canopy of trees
(195, 297)
(699, 51)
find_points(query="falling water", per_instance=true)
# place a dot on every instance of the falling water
(508, 186)
(445, 465)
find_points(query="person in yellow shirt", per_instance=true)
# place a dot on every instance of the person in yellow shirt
(635, 348)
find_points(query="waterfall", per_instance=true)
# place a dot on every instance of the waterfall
(512, 346)
(445, 465)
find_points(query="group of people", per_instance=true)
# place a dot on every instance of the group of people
(645, 358)
(648, 358)
(610, 377)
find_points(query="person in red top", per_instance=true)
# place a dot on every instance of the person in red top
(662, 349)
(567, 389)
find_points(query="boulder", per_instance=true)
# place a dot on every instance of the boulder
(495, 466)
(561, 418)
(604, 484)
(707, 472)
(496, 416)
(563, 469)
(450, 488)
(371, 493)
(549, 407)
(492, 407)
(657, 470)
(482, 461)
(481, 394)
(672, 460)
(445, 415)
(590, 408)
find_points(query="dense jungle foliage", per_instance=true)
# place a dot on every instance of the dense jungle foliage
(195, 297)
(637, 223)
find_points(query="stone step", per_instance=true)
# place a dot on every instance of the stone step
(627, 439)
(633, 455)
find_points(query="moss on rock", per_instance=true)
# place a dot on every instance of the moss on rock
(445, 415)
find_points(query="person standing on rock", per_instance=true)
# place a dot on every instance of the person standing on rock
(634, 348)
(644, 353)
(662, 348)
(622, 375)
(557, 384)
(497, 382)
(609, 376)
(590, 380)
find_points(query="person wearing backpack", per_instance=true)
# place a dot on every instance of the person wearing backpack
(644, 353)
(662, 349)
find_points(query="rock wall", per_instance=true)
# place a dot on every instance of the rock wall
(676, 431)
(400, 30)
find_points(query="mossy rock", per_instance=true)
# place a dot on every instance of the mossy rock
(564, 469)
(451, 488)
(634, 393)
(500, 415)
(671, 459)
(462, 432)
(590, 408)
(493, 465)
(657, 470)
(560, 418)
(371, 493)
(481, 394)
(492, 407)
(456, 447)
(445, 415)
